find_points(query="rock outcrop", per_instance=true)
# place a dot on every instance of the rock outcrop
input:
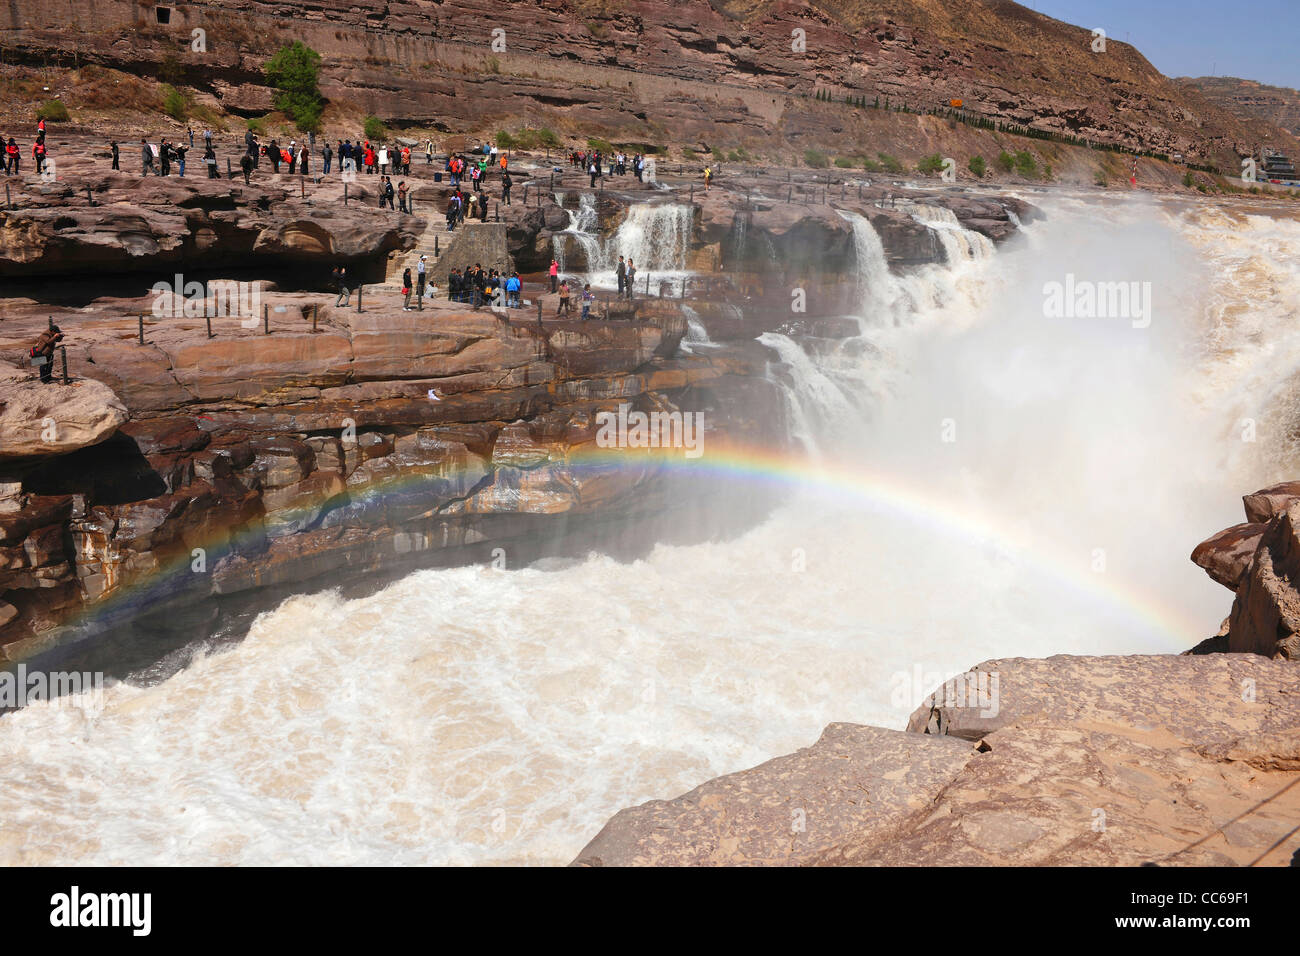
(1260, 561)
(1068, 761)
(39, 420)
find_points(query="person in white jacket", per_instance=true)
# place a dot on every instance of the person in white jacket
(383, 160)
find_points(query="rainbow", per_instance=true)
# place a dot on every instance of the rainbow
(784, 471)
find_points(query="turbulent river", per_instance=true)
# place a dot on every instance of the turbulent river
(982, 481)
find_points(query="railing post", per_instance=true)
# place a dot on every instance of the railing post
(141, 328)
(358, 297)
(266, 320)
(315, 313)
(345, 194)
(63, 352)
(436, 253)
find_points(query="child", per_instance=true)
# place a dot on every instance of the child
(587, 298)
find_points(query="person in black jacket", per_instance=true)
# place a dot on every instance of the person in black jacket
(115, 154)
(453, 286)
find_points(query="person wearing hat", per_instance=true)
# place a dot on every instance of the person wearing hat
(42, 353)
(419, 284)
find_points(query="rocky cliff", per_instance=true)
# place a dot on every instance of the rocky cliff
(720, 73)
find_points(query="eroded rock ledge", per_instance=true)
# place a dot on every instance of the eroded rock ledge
(1172, 760)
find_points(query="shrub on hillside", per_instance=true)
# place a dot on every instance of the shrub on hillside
(175, 104)
(930, 164)
(890, 163)
(1006, 162)
(977, 166)
(816, 159)
(52, 111)
(375, 129)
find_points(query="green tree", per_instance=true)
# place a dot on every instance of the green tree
(976, 165)
(1006, 162)
(374, 128)
(294, 71)
(816, 159)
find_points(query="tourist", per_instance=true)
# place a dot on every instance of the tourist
(513, 287)
(164, 151)
(42, 353)
(113, 147)
(179, 151)
(594, 171)
(38, 154)
(11, 157)
(210, 159)
(340, 277)
(383, 160)
(621, 274)
(406, 289)
(482, 207)
(631, 278)
(428, 152)
(273, 154)
(387, 195)
(555, 275)
(451, 213)
(587, 298)
(291, 156)
(190, 131)
(146, 157)
(401, 197)
(506, 183)
(246, 163)
(708, 177)
(325, 155)
(563, 307)
(454, 287)
(406, 160)
(304, 160)
(420, 279)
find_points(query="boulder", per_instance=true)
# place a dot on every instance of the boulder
(39, 420)
(1226, 556)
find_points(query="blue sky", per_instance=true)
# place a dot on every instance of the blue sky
(1197, 37)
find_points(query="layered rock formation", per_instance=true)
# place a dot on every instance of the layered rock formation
(715, 73)
(1068, 761)
(371, 442)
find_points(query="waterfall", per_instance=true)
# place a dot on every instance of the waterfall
(816, 402)
(961, 244)
(697, 336)
(656, 236)
(582, 229)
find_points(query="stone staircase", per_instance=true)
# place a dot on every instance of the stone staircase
(435, 229)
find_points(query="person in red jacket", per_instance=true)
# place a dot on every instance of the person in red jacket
(38, 154)
(11, 158)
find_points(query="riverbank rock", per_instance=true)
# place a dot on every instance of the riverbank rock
(1067, 761)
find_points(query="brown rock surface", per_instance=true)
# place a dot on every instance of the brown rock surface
(1266, 612)
(38, 419)
(1079, 761)
(1226, 556)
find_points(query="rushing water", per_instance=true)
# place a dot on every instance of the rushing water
(991, 482)
(656, 237)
